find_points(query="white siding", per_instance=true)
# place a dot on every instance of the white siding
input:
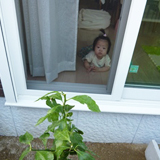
(97, 127)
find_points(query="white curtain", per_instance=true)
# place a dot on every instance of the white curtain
(51, 36)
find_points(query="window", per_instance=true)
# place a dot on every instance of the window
(52, 40)
(122, 98)
(145, 64)
(144, 67)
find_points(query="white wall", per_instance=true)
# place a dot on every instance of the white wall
(97, 127)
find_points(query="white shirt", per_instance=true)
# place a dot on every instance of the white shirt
(92, 58)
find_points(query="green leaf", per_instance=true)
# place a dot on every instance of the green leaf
(57, 95)
(158, 67)
(68, 107)
(57, 108)
(44, 135)
(60, 150)
(63, 124)
(69, 120)
(63, 149)
(54, 102)
(78, 131)
(70, 114)
(91, 152)
(44, 141)
(60, 109)
(76, 138)
(74, 128)
(84, 156)
(53, 95)
(151, 49)
(64, 155)
(84, 99)
(58, 142)
(53, 146)
(62, 134)
(24, 153)
(26, 138)
(49, 102)
(41, 120)
(51, 111)
(44, 155)
(53, 126)
(73, 152)
(44, 138)
(53, 117)
(82, 146)
(42, 98)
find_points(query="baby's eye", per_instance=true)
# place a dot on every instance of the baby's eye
(104, 48)
(97, 46)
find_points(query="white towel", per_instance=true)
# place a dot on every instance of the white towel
(102, 1)
(93, 19)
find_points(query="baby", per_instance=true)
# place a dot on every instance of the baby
(98, 60)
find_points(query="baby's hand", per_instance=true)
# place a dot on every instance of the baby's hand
(95, 69)
(92, 68)
(89, 69)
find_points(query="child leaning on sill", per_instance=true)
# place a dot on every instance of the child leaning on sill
(98, 59)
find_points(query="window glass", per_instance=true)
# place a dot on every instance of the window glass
(144, 68)
(56, 35)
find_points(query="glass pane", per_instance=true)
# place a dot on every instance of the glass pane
(144, 68)
(54, 35)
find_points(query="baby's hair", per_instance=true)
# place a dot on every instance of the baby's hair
(102, 37)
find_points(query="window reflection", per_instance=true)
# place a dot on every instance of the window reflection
(145, 64)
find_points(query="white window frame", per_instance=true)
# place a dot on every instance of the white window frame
(122, 99)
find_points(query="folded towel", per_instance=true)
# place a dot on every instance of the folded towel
(102, 1)
(93, 19)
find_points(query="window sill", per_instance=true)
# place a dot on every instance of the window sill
(123, 106)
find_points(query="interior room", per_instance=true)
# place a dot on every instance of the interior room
(85, 37)
(143, 69)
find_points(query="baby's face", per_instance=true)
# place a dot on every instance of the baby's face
(101, 48)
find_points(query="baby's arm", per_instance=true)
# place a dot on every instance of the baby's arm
(103, 69)
(87, 65)
(106, 66)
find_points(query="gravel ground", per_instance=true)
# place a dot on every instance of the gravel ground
(11, 149)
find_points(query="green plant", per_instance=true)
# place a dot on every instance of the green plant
(68, 138)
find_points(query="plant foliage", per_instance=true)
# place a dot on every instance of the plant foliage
(68, 138)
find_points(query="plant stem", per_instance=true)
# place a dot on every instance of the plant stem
(64, 103)
(42, 150)
(30, 147)
(64, 95)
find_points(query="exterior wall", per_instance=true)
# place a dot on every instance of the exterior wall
(97, 127)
